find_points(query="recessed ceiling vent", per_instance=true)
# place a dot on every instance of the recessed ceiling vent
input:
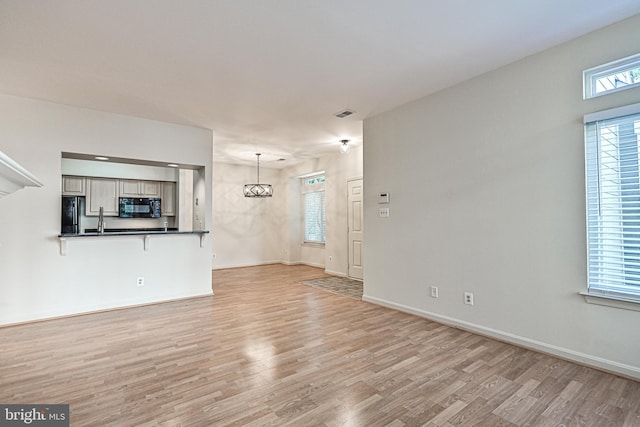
(344, 113)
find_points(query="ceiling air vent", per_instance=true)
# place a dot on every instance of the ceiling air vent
(344, 113)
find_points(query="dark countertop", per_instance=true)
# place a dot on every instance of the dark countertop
(131, 232)
(127, 230)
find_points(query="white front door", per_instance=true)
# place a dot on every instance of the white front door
(354, 211)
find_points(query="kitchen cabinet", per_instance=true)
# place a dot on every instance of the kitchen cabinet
(106, 192)
(136, 188)
(168, 204)
(102, 192)
(73, 186)
(150, 189)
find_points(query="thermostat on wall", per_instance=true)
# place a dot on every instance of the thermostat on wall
(383, 198)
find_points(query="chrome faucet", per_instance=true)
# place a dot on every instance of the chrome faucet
(101, 221)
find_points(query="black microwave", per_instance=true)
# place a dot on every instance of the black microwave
(139, 207)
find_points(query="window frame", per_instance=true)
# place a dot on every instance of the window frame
(592, 75)
(308, 188)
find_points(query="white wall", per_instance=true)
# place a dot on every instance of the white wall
(98, 273)
(487, 195)
(247, 231)
(260, 231)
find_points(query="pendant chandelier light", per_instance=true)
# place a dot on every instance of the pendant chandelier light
(258, 190)
(344, 148)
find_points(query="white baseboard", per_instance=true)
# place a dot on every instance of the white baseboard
(311, 264)
(611, 366)
(253, 264)
(335, 273)
(52, 315)
(257, 264)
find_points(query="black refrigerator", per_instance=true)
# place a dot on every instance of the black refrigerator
(72, 208)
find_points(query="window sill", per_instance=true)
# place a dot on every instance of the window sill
(313, 244)
(611, 302)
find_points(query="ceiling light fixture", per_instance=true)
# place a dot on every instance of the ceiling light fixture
(344, 148)
(258, 190)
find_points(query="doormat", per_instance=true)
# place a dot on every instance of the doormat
(338, 285)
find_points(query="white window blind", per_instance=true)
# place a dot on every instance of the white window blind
(314, 220)
(613, 206)
(313, 211)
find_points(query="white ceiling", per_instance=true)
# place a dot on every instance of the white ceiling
(268, 75)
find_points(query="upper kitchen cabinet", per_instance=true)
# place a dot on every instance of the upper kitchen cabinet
(73, 186)
(138, 188)
(102, 192)
(168, 204)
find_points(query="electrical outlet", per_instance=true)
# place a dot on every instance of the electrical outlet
(468, 298)
(434, 292)
(140, 281)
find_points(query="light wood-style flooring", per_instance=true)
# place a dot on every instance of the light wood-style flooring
(268, 351)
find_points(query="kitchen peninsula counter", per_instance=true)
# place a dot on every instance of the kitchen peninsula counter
(146, 233)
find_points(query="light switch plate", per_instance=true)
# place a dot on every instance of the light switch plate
(383, 212)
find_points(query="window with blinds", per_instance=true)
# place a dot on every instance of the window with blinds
(314, 222)
(613, 203)
(313, 207)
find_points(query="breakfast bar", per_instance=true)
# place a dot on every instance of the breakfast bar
(146, 235)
